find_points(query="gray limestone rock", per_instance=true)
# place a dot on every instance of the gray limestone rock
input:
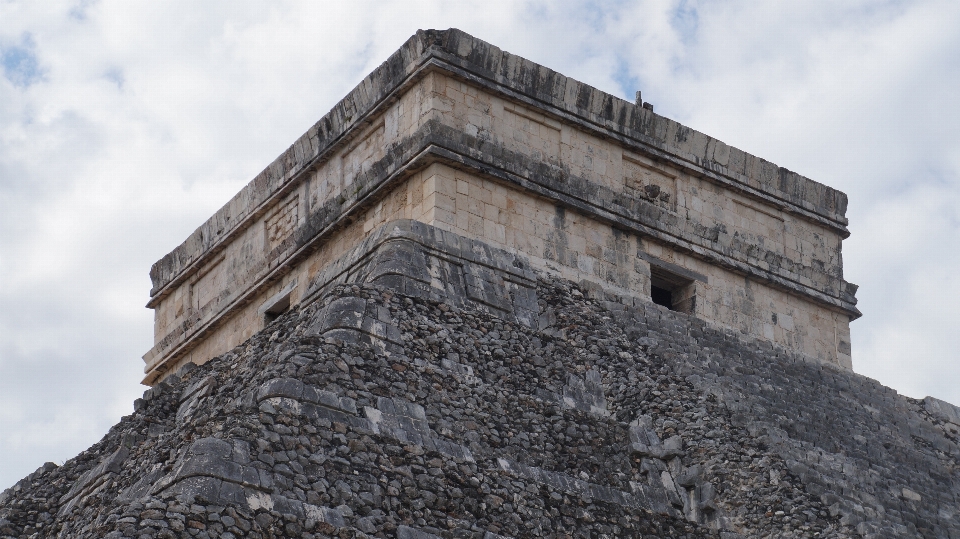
(461, 428)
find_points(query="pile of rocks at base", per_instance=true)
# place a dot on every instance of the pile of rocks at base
(373, 414)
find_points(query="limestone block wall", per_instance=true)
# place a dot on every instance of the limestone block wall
(576, 247)
(266, 239)
(738, 302)
(455, 133)
(755, 227)
(248, 264)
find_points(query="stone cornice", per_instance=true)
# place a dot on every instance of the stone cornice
(467, 57)
(437, 143)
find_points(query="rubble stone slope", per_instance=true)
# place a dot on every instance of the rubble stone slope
(371, 413)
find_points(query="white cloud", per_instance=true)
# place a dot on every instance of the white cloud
(124, 125)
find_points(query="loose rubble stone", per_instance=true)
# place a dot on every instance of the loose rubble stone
(612, 421)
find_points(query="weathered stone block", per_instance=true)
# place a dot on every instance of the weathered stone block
(589, 188)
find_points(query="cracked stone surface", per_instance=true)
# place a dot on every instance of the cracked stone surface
(605, 420)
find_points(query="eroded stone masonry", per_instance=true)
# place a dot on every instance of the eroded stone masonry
(480, 300)
(453, 132)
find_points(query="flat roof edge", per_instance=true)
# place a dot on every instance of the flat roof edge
(520, 75)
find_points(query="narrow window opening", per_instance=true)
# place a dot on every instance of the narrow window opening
(661, 296)
(275, 310)
(278, 304)
(672, 291)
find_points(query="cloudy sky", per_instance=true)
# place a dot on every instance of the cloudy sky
(124, 125)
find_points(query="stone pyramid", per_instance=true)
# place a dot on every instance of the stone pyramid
(480, 299)
(378, 411)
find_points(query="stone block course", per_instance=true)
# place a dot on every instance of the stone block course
(462, 428)
(442, 133)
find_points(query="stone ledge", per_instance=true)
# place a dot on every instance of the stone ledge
(422, 261)
(435, 142)
(550, 88)
(638, 216)
(406, 532)
(93, 481)
(218, 459)
(643, 496)
(396, 418)
(523, 79)
(942, 410)
(295, 389)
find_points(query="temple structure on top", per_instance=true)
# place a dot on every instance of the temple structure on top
(458, 168)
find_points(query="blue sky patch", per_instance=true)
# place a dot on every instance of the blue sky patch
(20, 65)
(685, 21)
(629, 83)
(115, 76)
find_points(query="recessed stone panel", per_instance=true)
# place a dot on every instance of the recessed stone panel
(645, 179)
